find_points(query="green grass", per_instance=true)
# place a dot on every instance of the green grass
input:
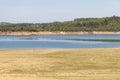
(82, 64)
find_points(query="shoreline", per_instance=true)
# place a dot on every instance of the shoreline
(54, 33)
(57, 49)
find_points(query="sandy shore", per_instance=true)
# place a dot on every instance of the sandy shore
(45, 64)
(55, 33)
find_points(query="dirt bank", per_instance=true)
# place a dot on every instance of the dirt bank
(55, 33)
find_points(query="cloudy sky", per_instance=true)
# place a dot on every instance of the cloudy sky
(39, 11)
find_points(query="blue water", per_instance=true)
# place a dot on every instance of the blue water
(58, 41)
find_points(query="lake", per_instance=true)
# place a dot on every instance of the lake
(59, 41)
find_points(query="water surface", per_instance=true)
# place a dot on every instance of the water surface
(59, 41)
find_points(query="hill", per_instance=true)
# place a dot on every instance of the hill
(79, 24)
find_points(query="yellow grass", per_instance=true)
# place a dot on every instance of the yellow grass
(82, 64)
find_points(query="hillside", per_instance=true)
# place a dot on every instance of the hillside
(111, 24)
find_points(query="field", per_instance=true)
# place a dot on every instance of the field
(45, 64)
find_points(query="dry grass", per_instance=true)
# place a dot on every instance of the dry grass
(82, 64)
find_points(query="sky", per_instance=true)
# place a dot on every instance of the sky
(42, 11)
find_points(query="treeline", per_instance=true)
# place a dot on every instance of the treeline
(80, 24)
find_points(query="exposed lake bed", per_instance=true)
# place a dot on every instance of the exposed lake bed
(59, 64)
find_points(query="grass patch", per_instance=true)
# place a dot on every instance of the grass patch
(82, 64)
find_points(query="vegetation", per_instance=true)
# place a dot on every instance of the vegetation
(80, 24)
(83, 64)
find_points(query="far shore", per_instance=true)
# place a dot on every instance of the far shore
(56, 33)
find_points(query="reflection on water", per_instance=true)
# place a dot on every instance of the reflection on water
(59, 41)
(98, 40)
(28, 38)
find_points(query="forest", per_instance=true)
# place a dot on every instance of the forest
(80, 24)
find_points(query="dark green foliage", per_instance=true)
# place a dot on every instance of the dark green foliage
(80, 24)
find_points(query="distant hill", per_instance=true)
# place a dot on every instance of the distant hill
(79, 24)
(4, 23)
